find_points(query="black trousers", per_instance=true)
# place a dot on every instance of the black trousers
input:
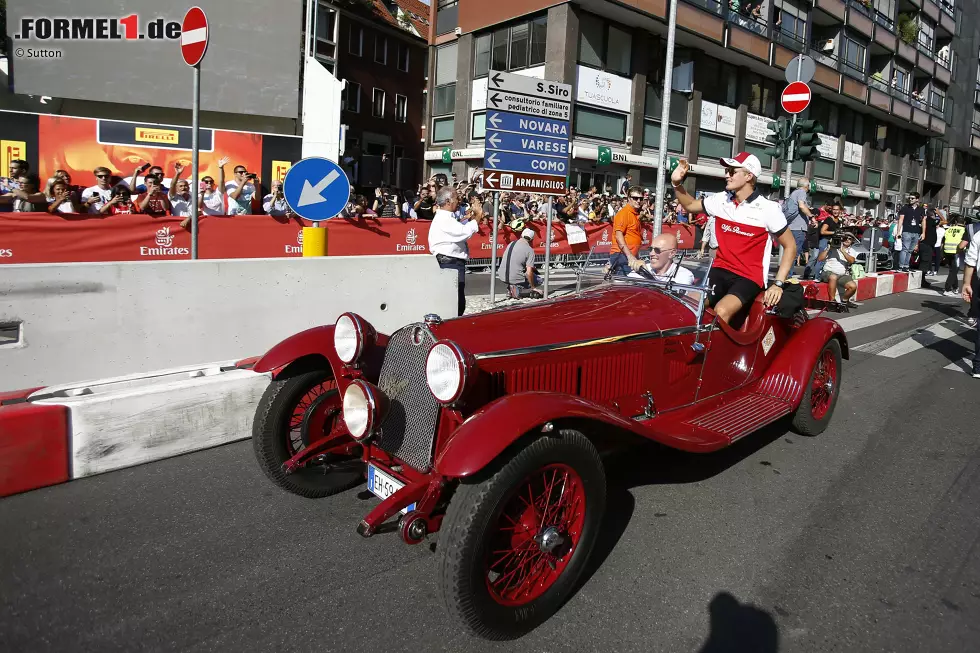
(458, 264)
(952, 280)
(925, 261)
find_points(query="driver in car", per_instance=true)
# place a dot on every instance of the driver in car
(743, 223)
(662, 265)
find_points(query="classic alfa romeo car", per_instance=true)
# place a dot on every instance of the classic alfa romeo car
(491, 428)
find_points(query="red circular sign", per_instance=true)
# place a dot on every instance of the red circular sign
(194, 36)
(795, 98)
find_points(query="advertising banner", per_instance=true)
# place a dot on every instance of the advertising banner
(44, 238)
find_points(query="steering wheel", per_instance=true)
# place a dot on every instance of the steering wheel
(646, 273)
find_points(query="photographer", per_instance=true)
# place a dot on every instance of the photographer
(274, 203)
(828, 227)
(243, 192)
(837, 259)
(384, 203)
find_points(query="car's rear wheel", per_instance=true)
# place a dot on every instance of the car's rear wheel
(817, 407)
(294, 413)
(515, 543)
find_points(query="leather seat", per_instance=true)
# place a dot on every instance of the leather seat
(751, 328)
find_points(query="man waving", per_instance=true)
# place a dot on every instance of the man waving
(743, 222)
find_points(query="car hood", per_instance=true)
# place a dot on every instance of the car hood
(610, 311)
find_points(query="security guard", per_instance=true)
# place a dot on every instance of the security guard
(954, 259)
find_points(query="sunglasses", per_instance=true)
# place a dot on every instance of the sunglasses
(732, 171)
(241, 172)
(208, 181)
(102, 176)
(661, 250)
(638, 198)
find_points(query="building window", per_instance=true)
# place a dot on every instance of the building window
(604, 46)
(760, 152)
(927, 35)
(352, 97)
(442, 129)
(854, 54)
(478, 126)
(894, 183)
(823, 168)
(603, 125)
(791, 17)
(850, 173)
(380, 49)
(900, 80)
(654, 106)
(675, 136)
(325, 43)
(938, 98)
(356, 44)
(716, 80)
(401, 108)
(402, 62)
(713, 146)
(516, 47)
(378, 103)
(874, 179)
(759, 93)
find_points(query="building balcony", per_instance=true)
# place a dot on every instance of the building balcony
(787, 39)
(884, 21)
(447, 16)
(711, 6)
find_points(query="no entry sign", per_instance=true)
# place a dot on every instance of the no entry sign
(194, 36)
(795, 98)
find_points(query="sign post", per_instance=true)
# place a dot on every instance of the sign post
(795, 99)
(316, 189)
(193, 44)
(527, 144)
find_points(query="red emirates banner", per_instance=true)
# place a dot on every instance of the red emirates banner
(44, 238)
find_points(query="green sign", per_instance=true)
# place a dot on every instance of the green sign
(813, 187)
(447, 155)
(845, 192)
(672, 162)
(874, 196)
(605, 156)
(777, 183)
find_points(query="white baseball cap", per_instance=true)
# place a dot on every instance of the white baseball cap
(744, 160)
(528, 233)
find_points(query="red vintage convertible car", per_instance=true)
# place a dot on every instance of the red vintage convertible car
(490, 428)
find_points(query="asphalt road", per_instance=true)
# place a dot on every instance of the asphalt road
(865, 538)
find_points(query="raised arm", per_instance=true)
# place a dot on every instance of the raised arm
(690, 204)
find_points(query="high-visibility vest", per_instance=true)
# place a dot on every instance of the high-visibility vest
(953, 237)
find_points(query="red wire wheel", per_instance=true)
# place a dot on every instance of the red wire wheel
(817, 406)
(294, 413)
(515, 540)
(535, 536)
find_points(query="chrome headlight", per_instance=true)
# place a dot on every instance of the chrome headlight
(446, 371)
(363, 404)
(351, 336)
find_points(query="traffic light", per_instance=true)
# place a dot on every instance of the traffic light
(779, 138)
(806, 138)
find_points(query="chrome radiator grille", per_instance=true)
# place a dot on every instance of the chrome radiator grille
(408, 430)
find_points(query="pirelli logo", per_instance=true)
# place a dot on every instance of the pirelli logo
(170, 137)
(160, 136)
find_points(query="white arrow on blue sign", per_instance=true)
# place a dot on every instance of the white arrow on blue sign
(316, 189)
(541, 164)
(526, 143)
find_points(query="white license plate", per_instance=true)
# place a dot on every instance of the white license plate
(383, 485)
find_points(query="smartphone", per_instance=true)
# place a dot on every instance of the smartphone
(145, 167)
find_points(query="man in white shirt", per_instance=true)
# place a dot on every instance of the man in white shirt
(95, 197)
(662, 265)
(274, 203)
(744, 227)
(971, 293)
(835, 269)
(448, 236)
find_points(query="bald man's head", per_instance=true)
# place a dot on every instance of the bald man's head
(667, 244)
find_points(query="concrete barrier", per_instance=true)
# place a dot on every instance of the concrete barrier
(97, 320)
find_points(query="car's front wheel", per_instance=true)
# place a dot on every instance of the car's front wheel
(293, 414)
(817, 407)
(514, 544)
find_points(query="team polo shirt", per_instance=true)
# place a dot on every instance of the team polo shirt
(742, 231)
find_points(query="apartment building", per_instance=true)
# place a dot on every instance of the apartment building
(897, 87)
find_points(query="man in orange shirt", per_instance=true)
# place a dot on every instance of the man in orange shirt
(626, 234)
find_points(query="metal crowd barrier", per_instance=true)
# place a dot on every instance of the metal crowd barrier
(559, 261)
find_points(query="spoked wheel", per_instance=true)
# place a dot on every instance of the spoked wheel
(514, 545)
(294, 413)
(820, 398)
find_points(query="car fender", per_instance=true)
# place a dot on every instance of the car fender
(787, 375)
(493, 428)
(317, 342)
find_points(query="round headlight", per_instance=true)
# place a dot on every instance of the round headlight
(358, 411)
(445, 371)
(348, 338)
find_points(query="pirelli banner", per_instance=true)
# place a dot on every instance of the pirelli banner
(79, 145)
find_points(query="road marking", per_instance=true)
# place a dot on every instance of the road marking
(864, 320)
(914, 340)
(964, 365)
(925, 291)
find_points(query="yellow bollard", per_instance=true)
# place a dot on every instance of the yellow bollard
(314, 241)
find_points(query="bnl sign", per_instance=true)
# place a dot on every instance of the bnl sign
(527, 146)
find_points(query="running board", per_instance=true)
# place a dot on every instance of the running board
(745, 415)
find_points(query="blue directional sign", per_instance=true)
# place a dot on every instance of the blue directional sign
(316, 189)
(527, 145)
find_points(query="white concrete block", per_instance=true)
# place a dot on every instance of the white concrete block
(915, 279)
(886, 284)
(94, 320)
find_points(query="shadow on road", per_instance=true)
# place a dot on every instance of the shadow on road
(739, 627)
